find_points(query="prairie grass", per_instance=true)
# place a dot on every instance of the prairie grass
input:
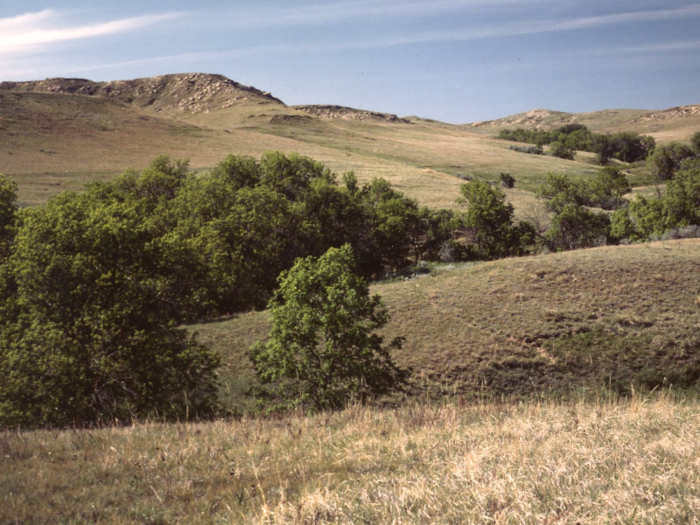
(609, 460)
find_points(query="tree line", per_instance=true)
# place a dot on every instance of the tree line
(566, 140)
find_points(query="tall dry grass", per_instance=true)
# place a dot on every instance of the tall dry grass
(606, 461)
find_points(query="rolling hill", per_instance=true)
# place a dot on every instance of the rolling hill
(614, 317)
(59, 134)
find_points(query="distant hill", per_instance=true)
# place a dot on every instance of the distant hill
(193, 92)
(671, 124)
(60, 133)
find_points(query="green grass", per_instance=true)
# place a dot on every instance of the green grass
(562, 323)
(604, 461)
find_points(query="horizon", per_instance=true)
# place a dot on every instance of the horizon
(455, 61)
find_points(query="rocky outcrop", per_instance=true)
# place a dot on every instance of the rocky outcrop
(345, 113)
(672, 113)
(192, 92)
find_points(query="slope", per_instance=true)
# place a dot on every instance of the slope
(62, 133)
(576, 321)
(664, 125)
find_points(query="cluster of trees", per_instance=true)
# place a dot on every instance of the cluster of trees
(566, 140)
(670, 158)
(93, 286)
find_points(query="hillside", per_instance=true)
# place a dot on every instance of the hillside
(61, 133)
(575, 321)
(671, 124)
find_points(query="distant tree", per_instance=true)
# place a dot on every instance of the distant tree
(603, 147)
(608, 189)
(667, 158)
(561, 150)
(507, 180)
(323, 350)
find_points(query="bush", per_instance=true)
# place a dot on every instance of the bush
(507, 180)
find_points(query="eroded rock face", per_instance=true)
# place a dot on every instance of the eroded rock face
(345, 113)
(672, 113)
(191, 92)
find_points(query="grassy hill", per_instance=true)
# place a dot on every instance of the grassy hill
(560, 323)
(61, 133)
(664, 125)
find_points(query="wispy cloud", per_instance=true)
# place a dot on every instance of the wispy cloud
(685, 45)
(370, 9)
(33, 31)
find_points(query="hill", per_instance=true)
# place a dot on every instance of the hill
(559, 323)
(664, 125)
(62, 133)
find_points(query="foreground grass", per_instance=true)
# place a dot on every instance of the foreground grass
(610, 461)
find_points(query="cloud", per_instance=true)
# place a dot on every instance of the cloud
(31, 32)
(344, 11)
(686, 45)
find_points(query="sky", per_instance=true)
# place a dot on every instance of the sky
(457, 61)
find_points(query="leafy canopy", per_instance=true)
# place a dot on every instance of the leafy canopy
(323, 350)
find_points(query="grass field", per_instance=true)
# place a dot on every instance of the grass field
(579, 462)
(560, 323)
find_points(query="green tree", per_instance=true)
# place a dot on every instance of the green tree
(490, 221)
(608, 189)
(87, 318)
(8, 209)
(667, 158)
(323, 350)
(561, 150)
(695, 142)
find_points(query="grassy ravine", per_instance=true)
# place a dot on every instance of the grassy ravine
(620, 461)
(560, 323)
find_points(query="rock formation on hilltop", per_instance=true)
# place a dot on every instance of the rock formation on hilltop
(192, 92)
(344, 113)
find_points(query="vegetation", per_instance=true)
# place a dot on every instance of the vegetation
(490, 223)
(566, 140)
(323, 349)
(95, 284)
(615, 317)
(603, 461)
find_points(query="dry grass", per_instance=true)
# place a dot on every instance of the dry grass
(57, 142)
(610, 461)
(562, 323)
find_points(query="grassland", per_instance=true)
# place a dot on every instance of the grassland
(57, 141)
(560, 324)
(604, 461)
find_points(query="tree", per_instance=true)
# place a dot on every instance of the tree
(490, 220)
(322, 350)
(88, 306)
(507, 180)
(561, 150)
(695, 142)
(608, 189)
(8, 209)
(667, 158)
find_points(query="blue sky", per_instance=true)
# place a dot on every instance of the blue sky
(452, 60)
